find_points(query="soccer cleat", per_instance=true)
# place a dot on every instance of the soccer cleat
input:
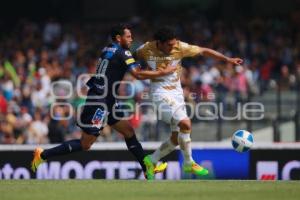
(160, 168)
(194, 168)
(149, 174)
(37, 160)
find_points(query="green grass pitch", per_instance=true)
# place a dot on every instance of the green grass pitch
(151, 190)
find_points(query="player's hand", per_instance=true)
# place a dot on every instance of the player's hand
(168, 70)
(235, 61)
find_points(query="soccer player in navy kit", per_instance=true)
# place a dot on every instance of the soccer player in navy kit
(101, 106)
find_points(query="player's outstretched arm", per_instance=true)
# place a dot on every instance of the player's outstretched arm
(147, 74)
(216, 55)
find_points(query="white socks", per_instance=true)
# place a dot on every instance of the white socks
(184, 140)
(164, 149)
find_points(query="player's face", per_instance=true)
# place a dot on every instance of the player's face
(167, 46)
(126, 39)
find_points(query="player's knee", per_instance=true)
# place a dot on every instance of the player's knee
(185, 125)
(87, 141)
(86, 147)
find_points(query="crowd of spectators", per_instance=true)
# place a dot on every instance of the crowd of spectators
(34, 56)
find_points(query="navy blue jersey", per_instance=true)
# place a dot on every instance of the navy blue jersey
(113, 63)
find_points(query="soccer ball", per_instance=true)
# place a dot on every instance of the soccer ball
(242, 141)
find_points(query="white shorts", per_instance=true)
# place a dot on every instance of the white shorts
(170, 108)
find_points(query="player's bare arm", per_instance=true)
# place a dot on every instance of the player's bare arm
(216, 55)
(147, 74)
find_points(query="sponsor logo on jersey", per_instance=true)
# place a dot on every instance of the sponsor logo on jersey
(112, 49)
(157, 58)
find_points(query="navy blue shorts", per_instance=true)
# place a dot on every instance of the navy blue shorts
(97, 112)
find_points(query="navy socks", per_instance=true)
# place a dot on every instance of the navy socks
(65, 148)
(135, 147)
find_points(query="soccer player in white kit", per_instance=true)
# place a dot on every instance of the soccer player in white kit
(167, 93)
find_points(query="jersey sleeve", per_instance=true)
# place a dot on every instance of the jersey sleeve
(188, 50)
(129, 60)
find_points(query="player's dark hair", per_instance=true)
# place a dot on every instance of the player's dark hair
(165, 34)
(118, 30)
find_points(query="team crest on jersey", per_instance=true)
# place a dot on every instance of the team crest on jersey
(98, 118)
(128, 53)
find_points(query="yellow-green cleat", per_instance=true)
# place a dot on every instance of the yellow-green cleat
(194, 168)
(149, 174)
(160, 168)
(37, 160)
(152, 168)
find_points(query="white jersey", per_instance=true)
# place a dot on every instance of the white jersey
(166, 91)
(156, 60)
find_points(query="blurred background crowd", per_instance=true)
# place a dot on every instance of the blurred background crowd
(36, 54)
